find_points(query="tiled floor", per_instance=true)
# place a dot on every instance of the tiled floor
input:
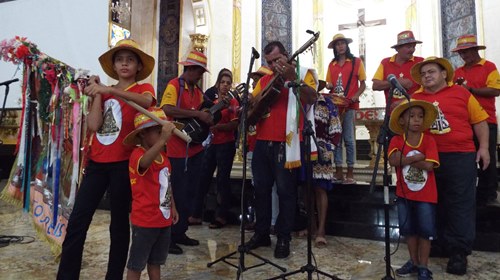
(345, 258)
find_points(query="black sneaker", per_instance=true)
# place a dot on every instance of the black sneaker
(174, 249)
(185, 240)
(282, 249)
(258, 241)
(457, 264)
(424, 273)
(407, 270)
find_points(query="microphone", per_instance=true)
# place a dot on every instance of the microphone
(395, 84)
(293, 84)
(6, 83)
(255, 53)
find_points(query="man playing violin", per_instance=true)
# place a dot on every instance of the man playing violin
(273, 159)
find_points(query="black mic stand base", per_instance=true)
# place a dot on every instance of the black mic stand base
(241, 266)
(309, 267)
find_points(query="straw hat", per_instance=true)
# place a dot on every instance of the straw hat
(415, 70)
(106, 59)
(337, 37)
(195, 58)
(430, 114)
(262, 71)
(406, 37)
(466, 42)
(142, 121)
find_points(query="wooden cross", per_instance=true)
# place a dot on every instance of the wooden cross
(361, 24)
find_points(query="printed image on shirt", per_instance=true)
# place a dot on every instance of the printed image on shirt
(165, 193)
(339, 87)
(112, 122)
(441, 125)
(414, 178)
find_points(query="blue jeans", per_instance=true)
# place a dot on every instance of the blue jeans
(218, 156)
(456, 209)
(98, 178)
(348, 140)
(184, 187)
(417, 218)
(268, 167)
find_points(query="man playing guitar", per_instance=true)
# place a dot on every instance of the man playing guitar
(181, 99)
(272, 160)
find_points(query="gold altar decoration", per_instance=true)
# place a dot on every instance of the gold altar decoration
(236, 41)
(372, 119)
(199, 41)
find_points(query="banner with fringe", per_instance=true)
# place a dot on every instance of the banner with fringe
(49, 150)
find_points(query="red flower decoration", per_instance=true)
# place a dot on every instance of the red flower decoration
(22, 51)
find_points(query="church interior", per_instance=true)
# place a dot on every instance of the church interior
(360, 229)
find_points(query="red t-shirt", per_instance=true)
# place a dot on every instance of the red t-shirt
(118, 122)
(176, 147)
(457, 110)
(389, 66)
(413, 183)
(272, 127)
(359, 74)
(483, 74)
(227, 115)
(151, 192)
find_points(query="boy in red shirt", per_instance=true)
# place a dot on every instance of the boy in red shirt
(153, 207)
(415, 155)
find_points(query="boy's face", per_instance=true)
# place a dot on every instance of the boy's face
(412, 119)
(151, 135)
(126, 64)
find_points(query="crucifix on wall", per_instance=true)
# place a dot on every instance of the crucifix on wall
(361, 24)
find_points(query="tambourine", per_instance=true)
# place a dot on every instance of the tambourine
(340, 101)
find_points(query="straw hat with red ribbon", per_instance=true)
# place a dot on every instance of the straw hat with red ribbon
(466, 42)
(406, 37)
(195, 58)
(143, 121)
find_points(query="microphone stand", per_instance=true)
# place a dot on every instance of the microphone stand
(307, 133)
(242, 249)
(7, 88)
(383, 142)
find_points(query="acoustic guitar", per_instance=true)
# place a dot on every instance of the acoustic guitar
(198, 130)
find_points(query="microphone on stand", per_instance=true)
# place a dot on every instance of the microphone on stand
(395, 84)
(255, 53)
(6, 83)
